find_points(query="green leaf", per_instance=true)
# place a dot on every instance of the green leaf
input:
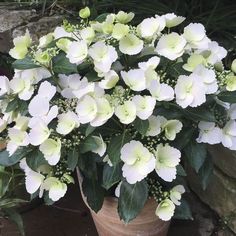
(184, 137)
(88, 164)
(5, 179)
(62, 65)
(183, 211)
(6, 160)
(115, 145)
(94, 193)
(176, 69)
(132, 199)
(48, 201)
(196, 154)
(22, 107)
(12, 105)
(227, 96)
(16, 218)
(141, 126)
(24, 64)
(89, 130)
(102, 17)
(72, 160)
(35, 159)
(17, 105)
(111, 175)
(92, 76)
(205, 172)
(199, 114)
(88, 145)
(180, 170)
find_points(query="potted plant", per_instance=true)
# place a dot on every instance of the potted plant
(123, 103)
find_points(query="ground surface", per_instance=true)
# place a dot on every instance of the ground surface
(70, 217)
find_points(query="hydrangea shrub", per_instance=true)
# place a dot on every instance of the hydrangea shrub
(124, 103)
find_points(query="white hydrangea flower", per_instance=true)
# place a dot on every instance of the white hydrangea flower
(217, 53)
(232, 112)
(33, 179)
(22, 87)
(73, 86)
(130, 44)
(45, 40)
(4, 85)
(63, 44)
(208, 77)
(126, 112)
(104, 112)
(167, 158)
(138, 161)
(77, 52)
(173, 20)
(51, 150)
(21, 44)
(55, 187)
(110, 80)
(86, 109)
(60, 32)
(155, 123)
(171, 46)
(161, 91)
(171, 128)
(87, 34)
(101, 149)
(34, 75)
(209, 133)
(119, 31)
(144, 106)
(67, 122)
(39, 133)
(195, 34)
(190, 91)
(229, 135)
(149, 69)
(151, 63)
(17, 138)
(124, 17)
(135, 79)
(231, 83)
(39, 109)
(165, 210)
(149, 27)
(193, 61)
(103, 56)
(46, 90)
(176, 194)
(21, 123)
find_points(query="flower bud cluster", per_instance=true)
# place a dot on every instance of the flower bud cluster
(65, 105)
(156, 190)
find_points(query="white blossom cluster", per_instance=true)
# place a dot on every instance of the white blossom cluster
(114, 50)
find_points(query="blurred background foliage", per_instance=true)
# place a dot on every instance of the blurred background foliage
(218, 16)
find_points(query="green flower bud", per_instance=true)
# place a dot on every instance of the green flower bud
(233, 66)
(84, 13)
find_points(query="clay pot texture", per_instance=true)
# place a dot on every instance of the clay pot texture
(108, 222)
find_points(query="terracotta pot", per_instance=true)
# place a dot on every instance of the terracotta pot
(108, 222)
